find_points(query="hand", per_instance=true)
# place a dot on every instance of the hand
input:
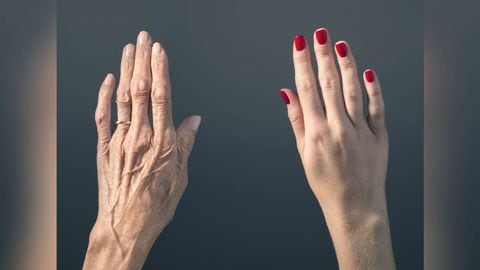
(344, 153)
(142, 171)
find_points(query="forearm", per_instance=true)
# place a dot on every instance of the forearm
(361, 236)
(107, 251)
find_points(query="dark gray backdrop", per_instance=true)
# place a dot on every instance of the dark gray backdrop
(247, 205)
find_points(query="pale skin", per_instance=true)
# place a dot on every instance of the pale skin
(142, 166)
(343, 151)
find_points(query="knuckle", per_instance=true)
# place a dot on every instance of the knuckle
(135, 146)
(375, 92)
(353, 95)
(161, 102)
(342, 136)
(295, 119)
(137, 141)
(101, 118)
(123, 94)
(159, 93)
(316, 134)
(376, 112)
(329, 84)
(306, 85)
(348, 65)
(141, 88)
(316, 137)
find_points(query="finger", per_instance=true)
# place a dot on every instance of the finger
(161, 93)
(352, 90)
(141, 81)
(376, 107)
(328, 77)
(124, 101)
(186, 133)
(103, 113)
(306, 82)
(295, 115)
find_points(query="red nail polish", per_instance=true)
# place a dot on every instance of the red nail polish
(299, 43)
(284, 97)
(342, 49)
(370, 75)
(321, 35)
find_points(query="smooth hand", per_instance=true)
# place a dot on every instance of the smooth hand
(344, 150)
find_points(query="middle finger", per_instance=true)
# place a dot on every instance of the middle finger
(141, 80)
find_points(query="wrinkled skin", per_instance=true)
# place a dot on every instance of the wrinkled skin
(142, 167)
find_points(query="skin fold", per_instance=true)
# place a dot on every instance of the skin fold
(344, 153)
(142, 166)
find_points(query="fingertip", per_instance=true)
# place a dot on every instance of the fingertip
(344, 42)
(195, 122)
(109, 80)
(157, 48)
(369, 75)
(143, 37)
(129, 50)
(284, 95)
(321, 35)
(300, 43)
(342, 48)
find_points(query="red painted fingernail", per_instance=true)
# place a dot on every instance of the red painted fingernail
(299, 43)
(370, 75)
(284, 97)
(342, 49)
(321, 35)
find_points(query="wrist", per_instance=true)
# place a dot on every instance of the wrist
(351, 215)
(352, 200)
(108, 249)
(360, 234)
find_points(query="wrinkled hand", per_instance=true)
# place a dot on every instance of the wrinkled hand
(142, 169)
(343, 151)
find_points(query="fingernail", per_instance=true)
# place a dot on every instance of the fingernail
(108, 79)
(195, 123)
(157, 48)
(143, 37)
(370, 75)
(129, 50)
(321, 35)
(341, 48)
(284, 97)
(299, 43)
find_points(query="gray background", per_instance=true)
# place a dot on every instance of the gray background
(247, 205)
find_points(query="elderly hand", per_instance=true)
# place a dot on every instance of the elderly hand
(142, 167)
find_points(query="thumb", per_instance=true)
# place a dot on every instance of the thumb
(186, 137)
